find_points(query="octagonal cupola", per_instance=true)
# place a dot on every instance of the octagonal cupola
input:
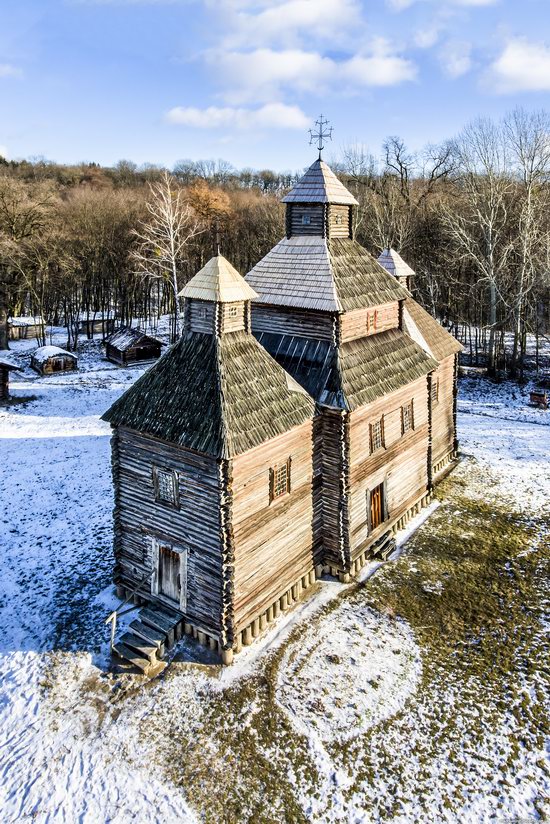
(319, 205)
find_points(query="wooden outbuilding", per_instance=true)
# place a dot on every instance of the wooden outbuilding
(6, 366)
(49, 359)
(127, 346)
(97, 323)
(26, 326)
(212, 466)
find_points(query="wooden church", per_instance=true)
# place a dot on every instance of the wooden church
(304, 416)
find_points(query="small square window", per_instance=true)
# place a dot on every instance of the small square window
(377, 435)
(372, 317)
(338, 220)
(306, 220)
(201, 312)
(279, 480)
(407, 418)
(232, 312)
(166, 486)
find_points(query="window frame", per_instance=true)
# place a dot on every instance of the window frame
(410, 428)
(173, 475)
(232, 311)
(306, 220)
(434, 391)
(275, 495)
(372, 320)
(379, 422)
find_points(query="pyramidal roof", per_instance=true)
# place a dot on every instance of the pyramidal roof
(218, 281)
(216, 395)
(320, 185)
(394, 264)
(337, 275)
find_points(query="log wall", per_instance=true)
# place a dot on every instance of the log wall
(272, 541)
(200, 316)
(339, 221)
(194, 524)
(284, 321)
(443, 425)
(354, 324)
(402, 464)
(316, 214)
(331, 460)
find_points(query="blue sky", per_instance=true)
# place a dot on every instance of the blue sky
(159, 80)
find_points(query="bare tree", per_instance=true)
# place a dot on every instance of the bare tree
(162, 238)
(528, 137)
(477, 219)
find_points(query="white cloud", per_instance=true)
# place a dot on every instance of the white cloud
(265, 74)
(272, 115)
(7, 70)
(523, 66)
(456, 58)
(381, 68)
(289, 21)
(400, 5)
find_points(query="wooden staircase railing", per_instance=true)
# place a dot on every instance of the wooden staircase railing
(112, 618)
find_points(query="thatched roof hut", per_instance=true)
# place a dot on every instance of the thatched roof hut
(49, 359)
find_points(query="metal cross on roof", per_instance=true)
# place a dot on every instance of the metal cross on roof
(321, 134)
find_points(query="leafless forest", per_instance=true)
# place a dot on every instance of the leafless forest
(471, 216)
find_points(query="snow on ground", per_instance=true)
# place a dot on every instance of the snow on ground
(80, 744)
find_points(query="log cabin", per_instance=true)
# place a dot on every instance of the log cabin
(6, 366)
(302, 418)
(127, 346)
(24, 327)
(49, 359)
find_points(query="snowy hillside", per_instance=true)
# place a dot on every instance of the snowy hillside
(417, 694)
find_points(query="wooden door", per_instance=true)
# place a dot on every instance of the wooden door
(377, 506)
(169, 573)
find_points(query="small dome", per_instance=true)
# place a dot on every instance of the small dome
(320, 185)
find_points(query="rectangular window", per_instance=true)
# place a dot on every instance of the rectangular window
(407, 418)
(372, 317)
(435, 391)
(232, 312)
(279, 480)
(166, 486)
(201, 312)
(377, 435)
(376, 507)
(306, 220)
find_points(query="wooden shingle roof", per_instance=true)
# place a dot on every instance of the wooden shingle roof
(428, 332)
(313, 273)
(394, 264)
(218, 281)
(218, 395)
(355, 373)
(320, 185)
(126, 337)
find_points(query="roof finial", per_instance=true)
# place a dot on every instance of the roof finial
(321, 134)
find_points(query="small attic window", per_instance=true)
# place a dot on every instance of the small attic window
(165, 483)
(338, 220)
(306, 220)
(372, 317)
(279, 481)
(232, 311)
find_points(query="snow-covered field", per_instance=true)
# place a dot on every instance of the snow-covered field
(367, 703)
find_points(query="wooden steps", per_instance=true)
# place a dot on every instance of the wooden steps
(384, 547)
(148, 636)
